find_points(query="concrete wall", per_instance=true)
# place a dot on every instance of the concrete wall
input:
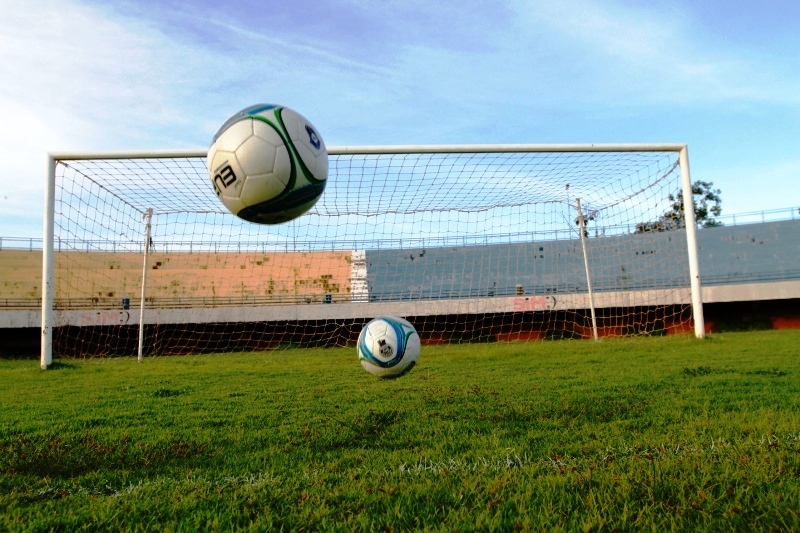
(630, 264)
(739, 254)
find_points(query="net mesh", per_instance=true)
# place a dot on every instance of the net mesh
(467, 246)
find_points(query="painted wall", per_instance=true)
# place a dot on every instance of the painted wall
(737, 254)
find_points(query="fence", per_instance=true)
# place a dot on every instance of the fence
(35, 243)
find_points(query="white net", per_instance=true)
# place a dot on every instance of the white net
(481, 246)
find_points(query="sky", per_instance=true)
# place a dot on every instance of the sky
(720, 76)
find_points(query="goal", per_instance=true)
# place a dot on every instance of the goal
(471, 243)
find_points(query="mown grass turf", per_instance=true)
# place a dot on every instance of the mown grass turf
(655, 433)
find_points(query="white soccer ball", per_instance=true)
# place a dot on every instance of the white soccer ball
(388, 347)
(268, 164)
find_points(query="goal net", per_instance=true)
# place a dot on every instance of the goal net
(469, 243)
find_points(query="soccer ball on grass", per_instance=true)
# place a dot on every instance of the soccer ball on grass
(388, 347)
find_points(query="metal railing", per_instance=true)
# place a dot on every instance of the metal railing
(759, 217)
(392, 295)
(89, 245)
(20, 243)
(20, 303)
(132, 304)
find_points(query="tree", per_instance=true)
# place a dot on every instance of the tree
(707, 202)
(587, 218)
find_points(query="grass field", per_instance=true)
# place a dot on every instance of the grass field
(659, 434)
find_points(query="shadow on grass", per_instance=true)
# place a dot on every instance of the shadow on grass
(62, 365)
(707, 370)
(169, 393)
(369, 429)
(56, 457)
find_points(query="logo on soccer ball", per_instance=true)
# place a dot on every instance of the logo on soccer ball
(386, 349)
(225, 176)
(312, 137)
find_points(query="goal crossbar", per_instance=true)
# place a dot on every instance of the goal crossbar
(389, 149)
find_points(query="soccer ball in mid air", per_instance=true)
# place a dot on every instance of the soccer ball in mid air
(268, 164)
(388, 347)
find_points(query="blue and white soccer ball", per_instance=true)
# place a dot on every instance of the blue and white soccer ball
(388, 347)
(268, 164)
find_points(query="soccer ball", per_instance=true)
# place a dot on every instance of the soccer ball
(268, 164)
(388, 347)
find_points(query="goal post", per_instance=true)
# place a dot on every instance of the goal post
(474, 242)
(48, 291)
(691, 248)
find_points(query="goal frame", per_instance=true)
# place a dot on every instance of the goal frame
(48, 288)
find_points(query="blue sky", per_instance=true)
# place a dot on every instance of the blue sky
(722, 76)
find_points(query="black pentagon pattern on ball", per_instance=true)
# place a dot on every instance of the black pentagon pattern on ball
(280, 209)
(313, 138)
(405, 371)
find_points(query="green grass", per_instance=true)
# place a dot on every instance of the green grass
(656, 434)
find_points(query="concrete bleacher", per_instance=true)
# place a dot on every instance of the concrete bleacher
(762, 252)
(106, 277)
(255, 300)
(753, 253)
(735, 262)
(20, 275)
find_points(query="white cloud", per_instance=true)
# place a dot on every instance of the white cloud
(95, 77)
(82, 80)
(653, 55)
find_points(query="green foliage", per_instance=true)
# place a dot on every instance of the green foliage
(707, 205)
(588, 218)
(653, 433)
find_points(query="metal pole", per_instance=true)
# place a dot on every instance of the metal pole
(691, 245)
(396, 149)
(586, 266)
(148, 216)
(494, 148)
(48, 289)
